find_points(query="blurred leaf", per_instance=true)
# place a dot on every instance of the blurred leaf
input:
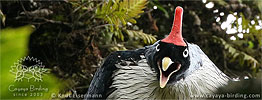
(160, 7)
(220, 2)
(13, 47)
(234, 53)
(250, 44)
(259, 5)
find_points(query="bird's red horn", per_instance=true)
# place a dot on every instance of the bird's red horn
(175, 36)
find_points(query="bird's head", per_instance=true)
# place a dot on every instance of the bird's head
(171, 59)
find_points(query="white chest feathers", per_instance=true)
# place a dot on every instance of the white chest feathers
(140, 82)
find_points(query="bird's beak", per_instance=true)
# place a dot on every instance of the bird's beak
(164, 74)
(166, 62)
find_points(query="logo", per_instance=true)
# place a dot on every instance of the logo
(28, 68)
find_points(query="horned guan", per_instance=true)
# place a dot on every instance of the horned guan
(171, 68)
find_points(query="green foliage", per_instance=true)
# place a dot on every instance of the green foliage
(148, 39)
(220, 2)
(14, 46)
(249, 38)
(244, 52)
(236, 54)
(118, 13)
(259, 5)
(246, 25)
(134, 39)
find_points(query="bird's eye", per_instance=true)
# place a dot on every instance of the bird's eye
(185, 53)
(157, 47)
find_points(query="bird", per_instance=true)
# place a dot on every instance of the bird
(170, 68)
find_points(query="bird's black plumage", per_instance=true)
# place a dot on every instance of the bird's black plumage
(102, 79)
